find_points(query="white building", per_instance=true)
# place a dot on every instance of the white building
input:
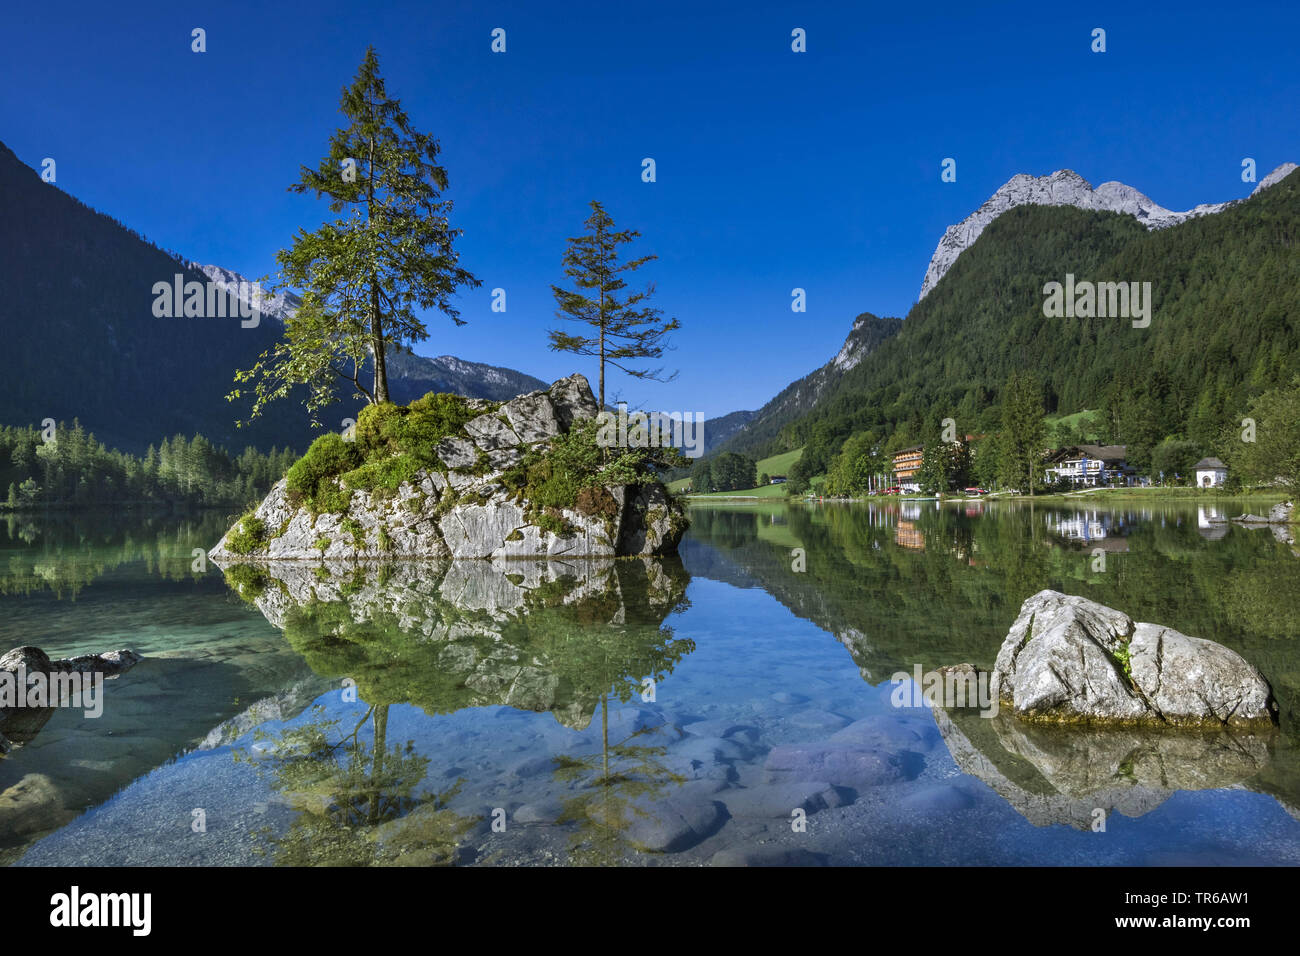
(1210, 473)
(1089, 465)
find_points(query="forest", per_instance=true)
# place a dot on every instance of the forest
(64, 466)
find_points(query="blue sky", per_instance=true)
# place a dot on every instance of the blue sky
(775, 170)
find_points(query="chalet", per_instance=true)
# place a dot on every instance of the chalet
(1210, 473)
(1090, 465)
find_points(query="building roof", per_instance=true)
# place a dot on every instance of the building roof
(1209, 463)
(1101, 452)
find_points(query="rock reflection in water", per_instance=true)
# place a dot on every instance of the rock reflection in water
(1067, 774)
(563, 637)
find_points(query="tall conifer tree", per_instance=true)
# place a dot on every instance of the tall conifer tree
(623, 328)
(363, 275)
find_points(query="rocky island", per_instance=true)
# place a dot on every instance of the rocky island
(451, 477)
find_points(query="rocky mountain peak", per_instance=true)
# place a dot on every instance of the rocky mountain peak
(1275, 177)
(279, 307)
(1065, 187)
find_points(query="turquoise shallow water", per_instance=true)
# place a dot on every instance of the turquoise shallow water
(515, 727)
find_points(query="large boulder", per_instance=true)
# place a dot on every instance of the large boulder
(471, 506)
(1069, 659)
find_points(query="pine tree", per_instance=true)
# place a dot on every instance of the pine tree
(363, 275)
(1273, 456)
(623, 329)
(1021, 439)
(935, 460)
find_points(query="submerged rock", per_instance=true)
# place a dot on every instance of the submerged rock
(1278, 520)
(778, 801)
(840, 764)
(467, 494)
(19, 724)
(669, 825)
(1069, 659)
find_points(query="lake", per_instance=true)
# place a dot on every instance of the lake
(730, 706)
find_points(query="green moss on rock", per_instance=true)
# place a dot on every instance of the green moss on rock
(248, 534)
(1125, 665)
(392, 443)
(312, 480)
(353, 528)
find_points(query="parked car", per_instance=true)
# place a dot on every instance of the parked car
(976, 491)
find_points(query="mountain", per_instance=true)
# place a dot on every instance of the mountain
(82, 340)
(1066, 188)
(799, 397)
(278, 307)
(409, 375)
(1225, 326)
(717, 431)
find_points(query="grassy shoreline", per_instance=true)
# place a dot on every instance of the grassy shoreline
(1148, 494)
(1263, 497)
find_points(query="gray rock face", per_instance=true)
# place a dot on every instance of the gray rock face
(1070, 659)
(1280, 513)
(34, 660)
(465, 510)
